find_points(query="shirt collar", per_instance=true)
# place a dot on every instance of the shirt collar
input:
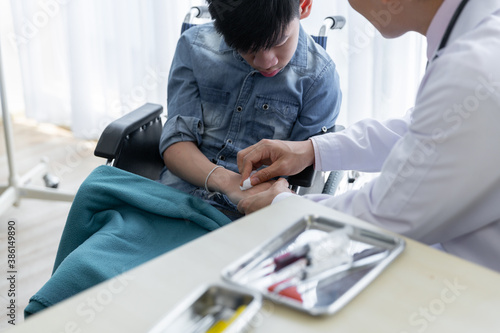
(438, 26)
(223, 46)
(300, 56)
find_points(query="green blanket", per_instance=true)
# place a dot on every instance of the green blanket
(117, 221)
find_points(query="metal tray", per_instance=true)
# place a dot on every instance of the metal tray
(212, 308)
(345, 260)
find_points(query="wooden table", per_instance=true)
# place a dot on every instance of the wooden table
(423, 290)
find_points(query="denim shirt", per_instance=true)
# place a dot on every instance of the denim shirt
(218, 101)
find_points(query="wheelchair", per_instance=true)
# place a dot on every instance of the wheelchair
(131, 143)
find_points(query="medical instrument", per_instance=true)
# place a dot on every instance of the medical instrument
(212, 308)
(316, 265)
(322, 249)
(312, 275)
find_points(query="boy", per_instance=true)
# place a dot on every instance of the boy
(253, 74)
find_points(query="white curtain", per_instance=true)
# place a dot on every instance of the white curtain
(86, 62)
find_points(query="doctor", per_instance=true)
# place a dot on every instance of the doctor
(440, 163)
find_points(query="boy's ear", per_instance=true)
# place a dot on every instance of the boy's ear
(305, 8)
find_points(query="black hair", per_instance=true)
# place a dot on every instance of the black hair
(253, 25)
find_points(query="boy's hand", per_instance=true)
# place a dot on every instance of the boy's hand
(284, 158)
(263, 199)
(236, 195)
(228, 183)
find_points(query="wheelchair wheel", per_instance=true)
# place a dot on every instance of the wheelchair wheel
(333, 181)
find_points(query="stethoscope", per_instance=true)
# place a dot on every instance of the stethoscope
(450, 27)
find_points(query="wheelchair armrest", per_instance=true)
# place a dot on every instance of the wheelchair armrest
(111, 139)
(305, 177)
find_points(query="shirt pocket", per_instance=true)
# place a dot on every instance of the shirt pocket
(214, 106)
(274, 118)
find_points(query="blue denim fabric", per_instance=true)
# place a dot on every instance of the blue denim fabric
(221, 103)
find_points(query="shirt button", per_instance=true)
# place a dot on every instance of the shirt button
(265, 106)
(239, 109)
(222, 158)
(229, 141)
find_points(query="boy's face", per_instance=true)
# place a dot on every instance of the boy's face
(270, 62)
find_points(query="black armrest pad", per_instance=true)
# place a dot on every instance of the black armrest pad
(110, 141)
(305, 177)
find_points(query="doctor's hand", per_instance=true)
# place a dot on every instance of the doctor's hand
(263, 199)
(284, 158)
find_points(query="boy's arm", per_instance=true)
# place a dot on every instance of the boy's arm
(183, 131)
(186, 161)
(185, 118)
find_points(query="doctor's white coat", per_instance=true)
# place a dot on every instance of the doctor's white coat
(440, 164)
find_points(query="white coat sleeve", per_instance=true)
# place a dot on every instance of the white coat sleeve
(363, 146)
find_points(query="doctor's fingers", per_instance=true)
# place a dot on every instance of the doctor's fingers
(253, 157)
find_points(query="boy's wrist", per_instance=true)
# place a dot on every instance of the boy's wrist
(222, 179)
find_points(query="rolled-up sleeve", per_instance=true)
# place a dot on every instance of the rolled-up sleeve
(185, 119)
(178, 129)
